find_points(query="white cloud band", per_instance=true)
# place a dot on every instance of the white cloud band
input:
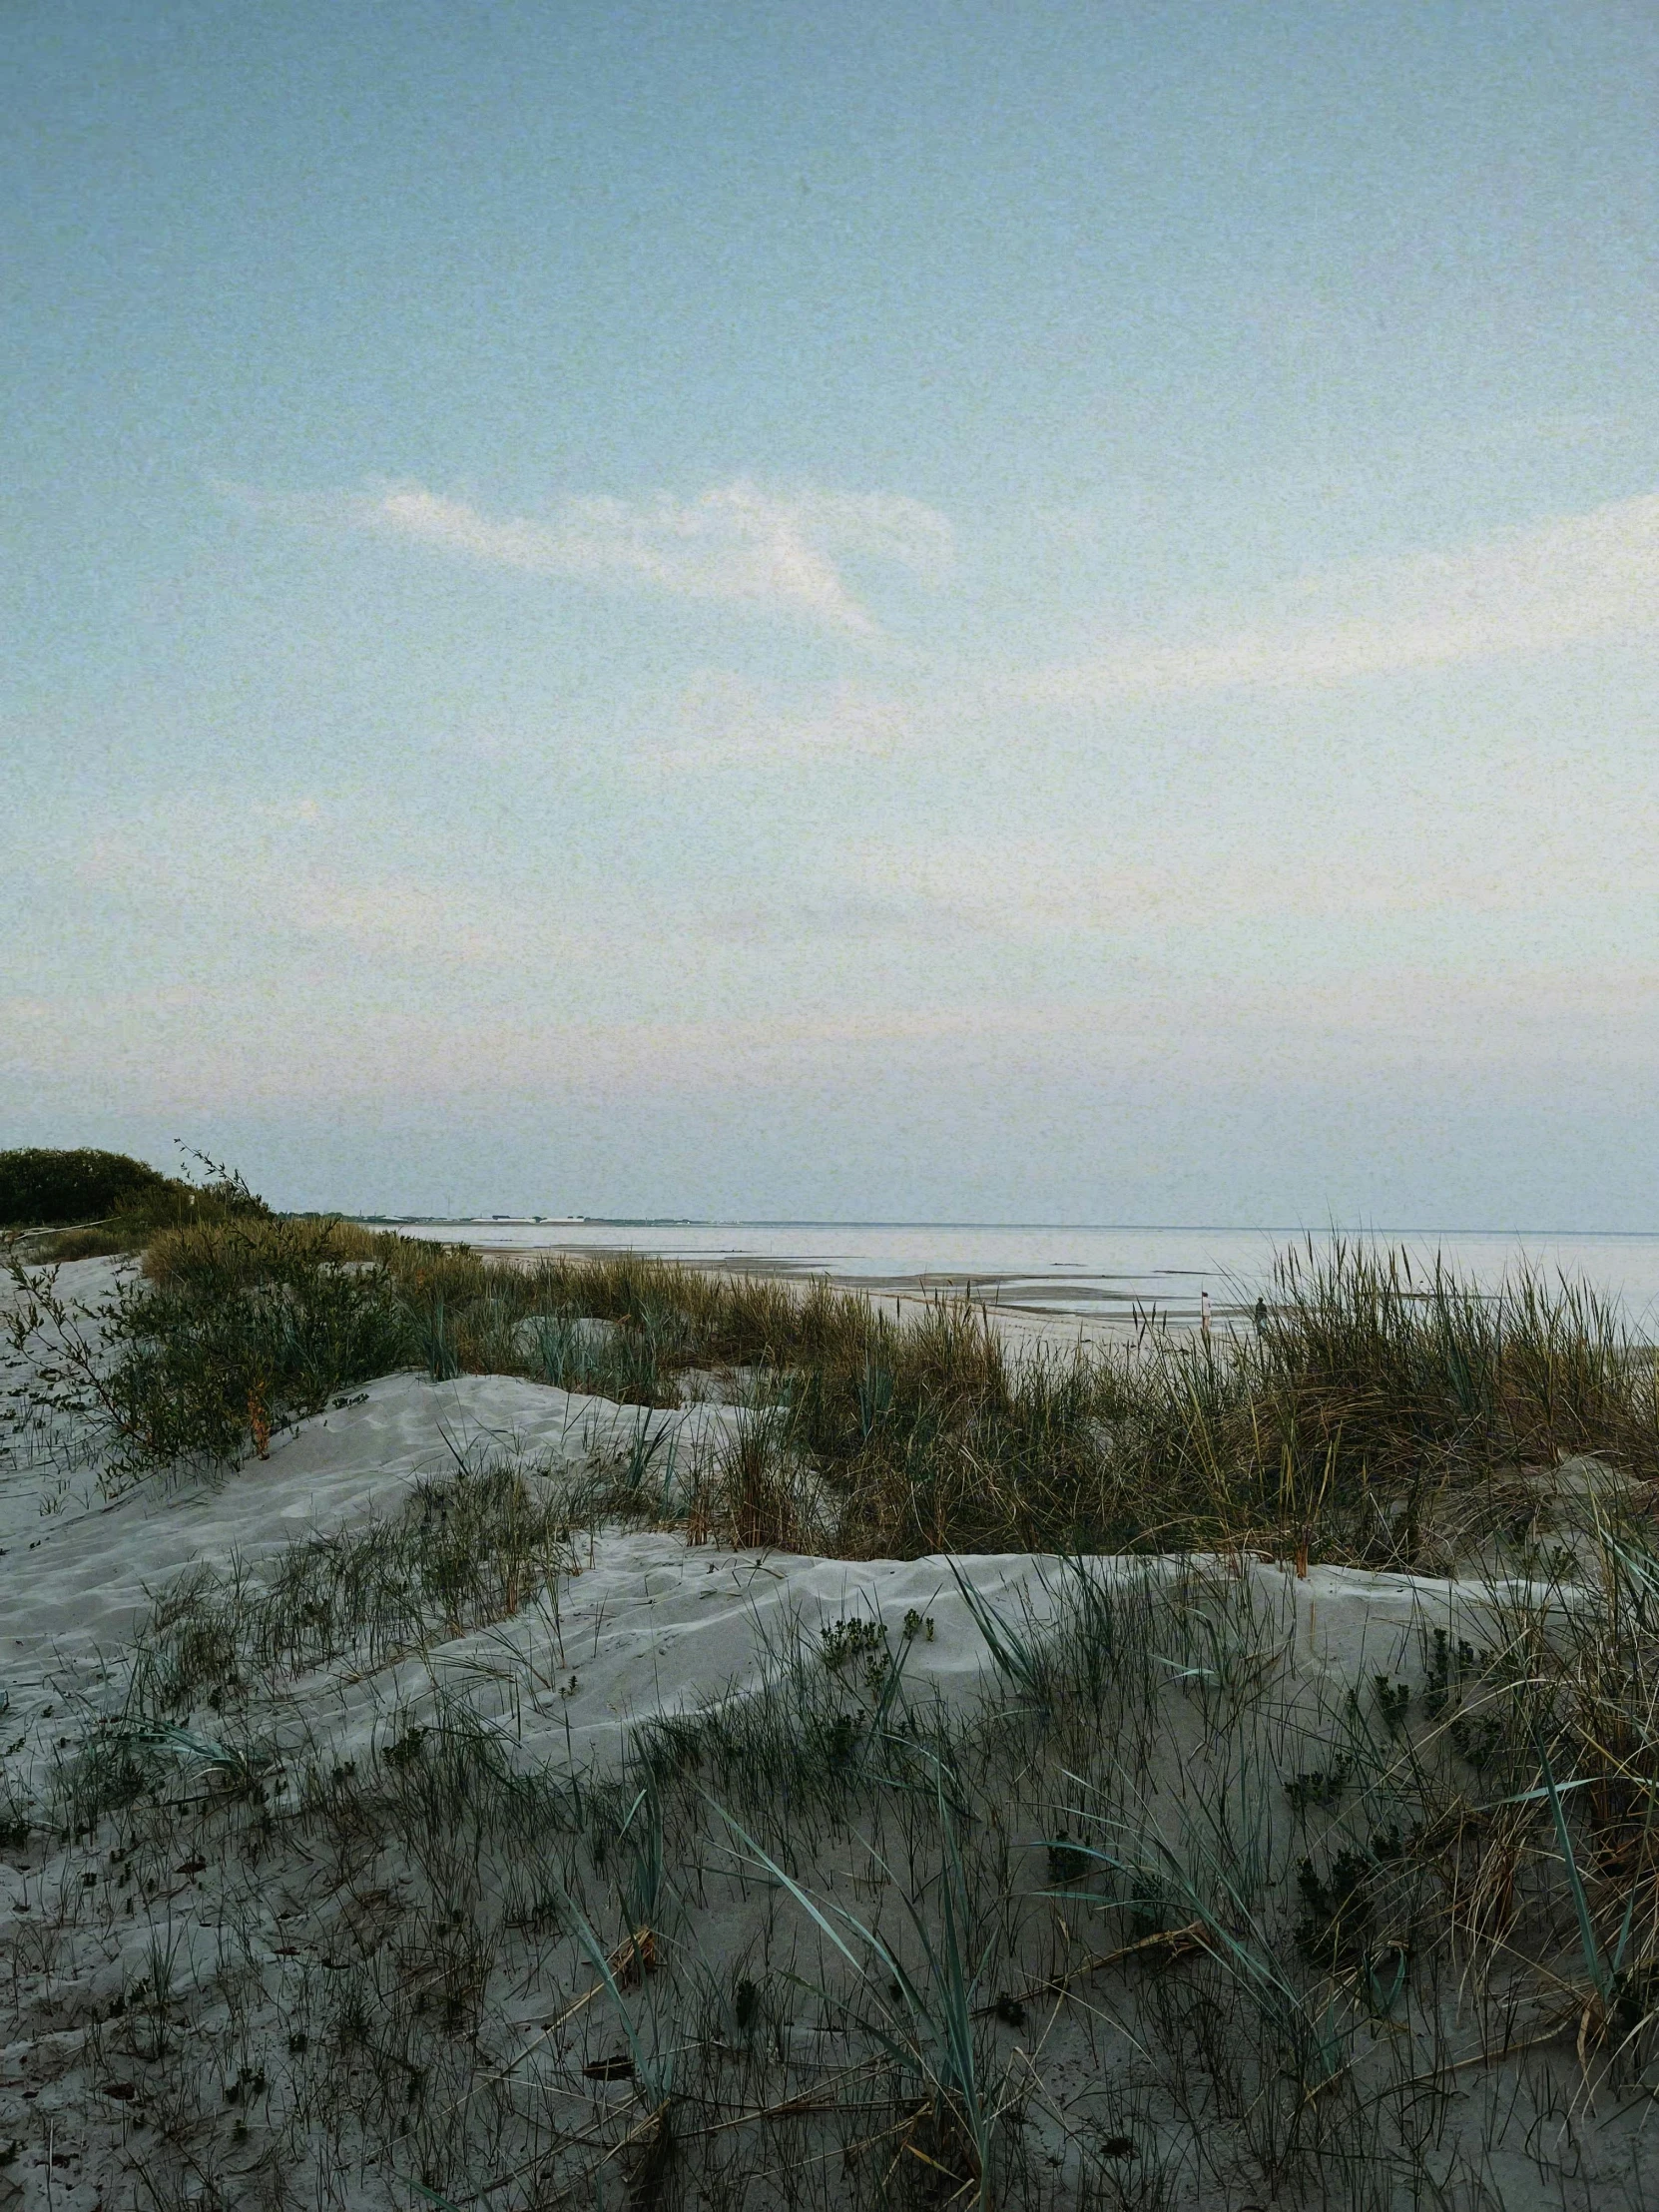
(1569, 581)
(736, 543)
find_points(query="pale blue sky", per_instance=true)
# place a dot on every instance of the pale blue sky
(877, 611)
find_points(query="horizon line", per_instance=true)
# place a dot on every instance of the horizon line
(1161, 1227)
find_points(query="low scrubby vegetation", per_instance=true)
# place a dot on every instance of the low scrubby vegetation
(83, 1205)
(43, 1188)
(1367, 1416)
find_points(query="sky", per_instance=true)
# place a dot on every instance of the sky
(880, 612)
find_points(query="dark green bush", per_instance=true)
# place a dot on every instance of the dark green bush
(103, 1202)
(40, 1188)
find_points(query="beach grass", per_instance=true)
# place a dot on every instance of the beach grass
(1155, 1920)
(1372, 1414)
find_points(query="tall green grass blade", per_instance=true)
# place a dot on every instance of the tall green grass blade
(1594, 1963)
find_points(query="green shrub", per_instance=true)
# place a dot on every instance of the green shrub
(102, 1201)
(41, 1188)
(247, 1328)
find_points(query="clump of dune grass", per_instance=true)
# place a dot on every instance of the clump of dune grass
(239, 1328)
(1365, 1396)
(458, 1555)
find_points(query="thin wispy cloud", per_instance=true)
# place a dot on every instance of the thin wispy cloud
(736, 544)
(723, 721)
(1573, 580)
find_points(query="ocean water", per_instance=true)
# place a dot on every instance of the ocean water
(1113, 1276)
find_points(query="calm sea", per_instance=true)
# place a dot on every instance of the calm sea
(1109, 1273)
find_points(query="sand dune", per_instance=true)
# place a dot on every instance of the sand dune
(222, 1927)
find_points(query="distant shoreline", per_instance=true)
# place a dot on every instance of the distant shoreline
(1369, 1234)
